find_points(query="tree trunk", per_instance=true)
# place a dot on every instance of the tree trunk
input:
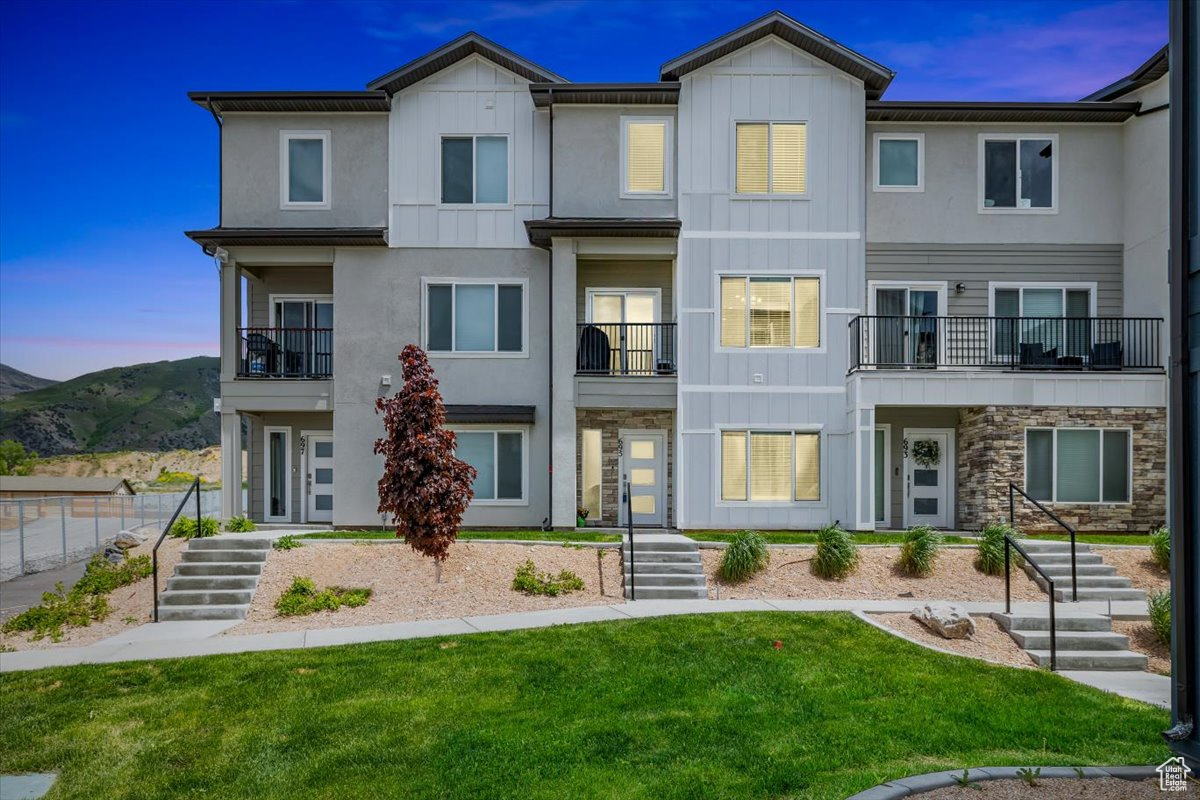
(437, 570)
(600, 568)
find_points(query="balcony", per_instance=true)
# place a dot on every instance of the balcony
(286, 353)
(1047, 344)
(625, 349)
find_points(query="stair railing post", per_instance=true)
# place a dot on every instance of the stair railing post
(629, 524)
(1053, 626)
(1007, 588)
(1012, 507)
(1074, 576)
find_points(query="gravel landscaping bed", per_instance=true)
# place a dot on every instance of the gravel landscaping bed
(134, 601)
(990, 642)
(476, 579)
(1055, 789)
(789, 575)
(1137, 565)
(1142, 640)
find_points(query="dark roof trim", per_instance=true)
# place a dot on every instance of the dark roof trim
(630, 94)
(874, 75)
(455, 51)
(330, 237)
(923, 111)
(1150, 71)
(541, 231)
(471, 413)
(293, 102)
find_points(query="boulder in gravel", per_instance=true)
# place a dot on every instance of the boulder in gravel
(128, 539)
(948, 620)
(114, 554)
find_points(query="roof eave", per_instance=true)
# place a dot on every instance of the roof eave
(470, 44)
(212, 238)
(1015, 112)
(322, 102)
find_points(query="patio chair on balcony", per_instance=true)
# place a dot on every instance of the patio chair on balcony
(1108, 355)
(595, 353)
(1035, 356)
(262, 354)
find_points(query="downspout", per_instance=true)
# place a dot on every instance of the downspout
(548, 522)
(220, 162)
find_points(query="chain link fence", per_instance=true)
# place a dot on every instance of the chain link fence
(47, 532)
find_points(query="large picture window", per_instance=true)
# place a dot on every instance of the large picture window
(499, 460)
(475, 170)
(772, 157)
(466, 317)
(779, 311)
(1018, 172)
(770, 466)
(1078, 465)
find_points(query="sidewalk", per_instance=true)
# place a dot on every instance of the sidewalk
(184, 639)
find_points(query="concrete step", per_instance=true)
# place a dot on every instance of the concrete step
(1063, 595)
(194, 556)
(1052, 546)
(662, 545)
(1043, 559)
(195, 583)
(174, 613)
(1085, 581)
(1111, 660)
(1071, 640)
(229, 543)
(1056, 570)
(1065, 620)
(667, 567)
(207, 568)
(669, 593)
(642, 556)
(206, 598)
(668, 580)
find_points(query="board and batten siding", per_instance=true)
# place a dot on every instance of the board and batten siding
(726, 234)
(478, 97)
(977, 266)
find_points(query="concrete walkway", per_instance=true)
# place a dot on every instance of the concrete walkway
(184, 639)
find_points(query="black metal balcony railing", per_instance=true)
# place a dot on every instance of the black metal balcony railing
(286, 353)
(625, 348)
(1015, 343)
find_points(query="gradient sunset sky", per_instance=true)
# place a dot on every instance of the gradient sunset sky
(104, 161)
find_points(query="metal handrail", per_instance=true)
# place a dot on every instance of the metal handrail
(629, 523)
(195, 487)
(1009, 541)
(1013, 490)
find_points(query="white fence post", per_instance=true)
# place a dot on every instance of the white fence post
(62, 513)
(21, 532)
(96, 518)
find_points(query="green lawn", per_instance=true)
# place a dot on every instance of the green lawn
(529, 536)
(810, 537)
(683, 707)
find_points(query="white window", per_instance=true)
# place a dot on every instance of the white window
(1078, 465)
(277, 474)
(771, 311)
(899, 162)
(591, 469)
(498, 457)
(770, 466)
(771, 158)
(1018, 172)
(645, 157)
(475, 317)
(475, 170)
(1066, 309)
(304, 170)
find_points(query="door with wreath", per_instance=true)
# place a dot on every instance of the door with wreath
(928, 477)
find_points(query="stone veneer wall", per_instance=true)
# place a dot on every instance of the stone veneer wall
(609, 422)
(991, 452)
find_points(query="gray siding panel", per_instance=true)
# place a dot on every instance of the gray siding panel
(283, 280)
(977, 265)
(256, 462)
(625, 275)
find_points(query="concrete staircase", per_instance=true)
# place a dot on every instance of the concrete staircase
(1085, 641)
(215, 579)
(1097, 580)
(666, 566)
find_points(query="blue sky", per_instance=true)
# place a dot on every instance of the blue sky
(104, 161)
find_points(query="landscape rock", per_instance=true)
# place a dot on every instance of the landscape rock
(128, 539)
(114, 554)
(948, 620)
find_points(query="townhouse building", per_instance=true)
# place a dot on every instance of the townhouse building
(754, 293)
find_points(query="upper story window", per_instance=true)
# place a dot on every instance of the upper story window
(1018, 172)
(781, 311)
(899, 162)
(770, 466)
(771, 158)
(304, 170)
(645, 157)
(474, 317)
(475, 170)
(1066, 309)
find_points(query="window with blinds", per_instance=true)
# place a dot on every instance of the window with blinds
(1077, 465)
(645, 156)
(770, 466)
(771, 157)
(771, 312)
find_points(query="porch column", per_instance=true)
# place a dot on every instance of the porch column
(231, 464)
(562, 303)
(231, 313)
(863, 464)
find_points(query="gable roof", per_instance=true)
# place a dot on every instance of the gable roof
(875, 76)
(1150, 71)
(62, 485)
(451, 53)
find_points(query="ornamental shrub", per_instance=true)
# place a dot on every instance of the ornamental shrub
(1159, 607)
(528, 580)
(837, 554)
(186, 528)
(288, 542)
(1160, 547)
(990, 557)
(745, 556)
(919, 550)
(303, 598)
(240, 524)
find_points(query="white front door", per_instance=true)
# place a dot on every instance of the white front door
(319, 480)
(928, 477)
(643, 457)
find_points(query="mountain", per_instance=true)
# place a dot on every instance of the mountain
(160, 406)
(13, 381)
